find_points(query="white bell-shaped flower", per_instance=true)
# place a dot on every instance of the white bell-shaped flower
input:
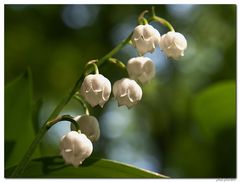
(127, 92)
(88, 126)
(173, 44)
(75, 148)
(141, 69)
(96, 89)
(145, 38)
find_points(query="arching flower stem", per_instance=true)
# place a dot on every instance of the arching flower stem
(84, 105)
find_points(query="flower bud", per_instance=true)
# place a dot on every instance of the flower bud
(173, 44)
(88, 126)
(141, 69)
(127, 92)
(75, 148)
(145, 38)
(96, 89)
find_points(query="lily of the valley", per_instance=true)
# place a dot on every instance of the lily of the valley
(173, 44)
(141, 69)
(96, 89)
(145, 38)
(127, 92)
(88, 125)
(75, 148)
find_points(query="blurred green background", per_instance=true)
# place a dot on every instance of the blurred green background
(185, 125)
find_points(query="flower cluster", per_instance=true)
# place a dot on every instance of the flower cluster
(96, 89)
(145, 39)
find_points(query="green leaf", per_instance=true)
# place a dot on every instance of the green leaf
(215, 107)
(54, 167)
(19, 131)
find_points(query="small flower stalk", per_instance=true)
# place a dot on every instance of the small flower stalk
(75, 148)
(145, 38)
(141, 69)
(173, 44)
(127, 92)
(89, 126)
(96, 89)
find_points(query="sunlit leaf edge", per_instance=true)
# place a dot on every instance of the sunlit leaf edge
(90, 168)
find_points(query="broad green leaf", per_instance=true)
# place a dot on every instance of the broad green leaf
(215, 107)
(19, 131)
(54, 167)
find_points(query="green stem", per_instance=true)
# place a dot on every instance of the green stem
(95, 68)
(23, 164)
(117, 62)
(141, 19)
(93, 63)
(115, 50)
(83, 104)
(162, 21)
(27, 156)
(153, 11)
(62, 118)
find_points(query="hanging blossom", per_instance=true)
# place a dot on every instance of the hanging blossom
(75, 148)
(89, 126)
(145, 38)
(127, 92)
(96, 89)
(173, 44)
(141, 69)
